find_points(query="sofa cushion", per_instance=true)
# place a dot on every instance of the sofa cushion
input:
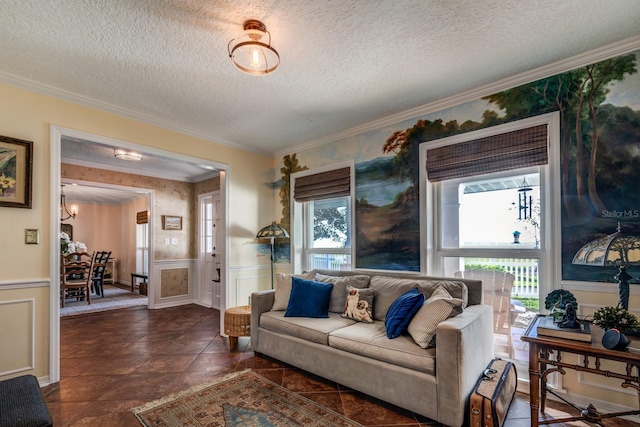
(438, 308)
(339, 292)
(283, 289)
(388, 289)
(359, 305)
(370, 340)
(308, 298)
(306, 328)
(402, 311)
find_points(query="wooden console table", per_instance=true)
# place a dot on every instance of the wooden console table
(546, 357)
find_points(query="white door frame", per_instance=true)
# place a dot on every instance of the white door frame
(202, 252)
(55, 143)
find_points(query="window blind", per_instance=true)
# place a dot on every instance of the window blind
(324, 185)
(510, 150)
(142, 217)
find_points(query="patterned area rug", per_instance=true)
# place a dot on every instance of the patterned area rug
(114, 298)
(240, 399)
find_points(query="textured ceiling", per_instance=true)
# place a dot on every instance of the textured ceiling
(344, 63)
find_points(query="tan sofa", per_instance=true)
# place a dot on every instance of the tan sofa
(434, 382)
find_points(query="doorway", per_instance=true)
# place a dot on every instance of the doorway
(108, 219)
(210, 251)
(172, 162)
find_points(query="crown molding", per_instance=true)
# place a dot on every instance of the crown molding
(577, 61)
(65, 95)
(596, 55)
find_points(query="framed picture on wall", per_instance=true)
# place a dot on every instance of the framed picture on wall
(170, 222)
(16, 161)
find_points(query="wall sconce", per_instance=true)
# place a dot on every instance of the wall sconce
(63, 207)
(130, 156)
(251, 52)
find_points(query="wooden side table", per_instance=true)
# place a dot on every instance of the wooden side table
(546, 357)
(135, 276)
(237, 323)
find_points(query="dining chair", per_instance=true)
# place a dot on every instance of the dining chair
(75, 276)
(99, 268)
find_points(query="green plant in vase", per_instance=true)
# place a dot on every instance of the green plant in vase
(610, 317)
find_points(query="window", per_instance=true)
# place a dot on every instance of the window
(327, 234)
(142, 242)
(322, 219)
(491, 213)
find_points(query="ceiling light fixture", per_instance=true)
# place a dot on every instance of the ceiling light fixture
(250, 53)
(130, 156)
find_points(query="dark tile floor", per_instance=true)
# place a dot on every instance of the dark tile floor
(114, 361)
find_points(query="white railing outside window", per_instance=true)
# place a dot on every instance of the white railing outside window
(525, 271)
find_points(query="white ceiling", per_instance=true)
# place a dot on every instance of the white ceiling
(344, 63)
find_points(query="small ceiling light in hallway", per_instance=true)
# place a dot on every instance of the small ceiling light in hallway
(130, 156)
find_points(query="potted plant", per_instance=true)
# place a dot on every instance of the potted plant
(610, 317)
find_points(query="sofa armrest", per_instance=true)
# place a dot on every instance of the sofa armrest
(464, 347)
(261, 302)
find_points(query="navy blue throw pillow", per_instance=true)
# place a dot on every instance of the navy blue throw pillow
(402, 311)
(308, 298)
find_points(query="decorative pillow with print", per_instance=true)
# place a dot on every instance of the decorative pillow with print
(439, 307)
(359, 305)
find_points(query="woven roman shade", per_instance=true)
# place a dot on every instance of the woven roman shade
(324, 185)
(510, 150)
(142, 217)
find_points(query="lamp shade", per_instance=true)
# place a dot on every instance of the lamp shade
(272, 231)
(613, 250)
(251, 52)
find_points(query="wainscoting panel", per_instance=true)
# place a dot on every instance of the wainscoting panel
(175, 282)
(246, 280)
(17, 318)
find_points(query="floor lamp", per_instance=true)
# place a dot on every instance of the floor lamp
(271, 232)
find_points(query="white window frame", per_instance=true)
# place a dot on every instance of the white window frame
(301, 227)
(550, 241)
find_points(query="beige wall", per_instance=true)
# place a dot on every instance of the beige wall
(97, 227)
(25, 269)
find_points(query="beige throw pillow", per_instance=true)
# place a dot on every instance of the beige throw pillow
(438, 308)
(283, 288)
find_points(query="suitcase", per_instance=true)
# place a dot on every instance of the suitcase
(492, 395)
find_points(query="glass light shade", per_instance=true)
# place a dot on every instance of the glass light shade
(272, 231)
(130, 156)
(252, 52)
(74, 210)
(613, 250)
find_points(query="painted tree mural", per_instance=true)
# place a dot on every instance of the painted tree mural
(290, 165)
(599, 155)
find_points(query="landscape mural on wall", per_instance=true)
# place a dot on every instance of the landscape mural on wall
(599, 106)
